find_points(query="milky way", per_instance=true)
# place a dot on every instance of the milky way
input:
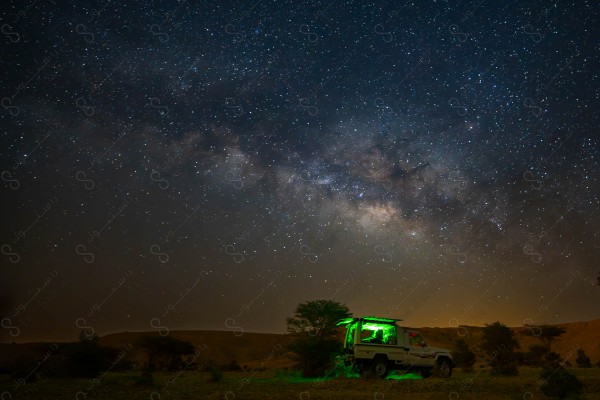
(174, 165)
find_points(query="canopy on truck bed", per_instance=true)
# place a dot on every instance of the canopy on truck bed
(376, 320)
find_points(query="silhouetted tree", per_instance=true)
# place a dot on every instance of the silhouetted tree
(582, 360)
(499, 344)
(85, 358)
(463, 356)
(546, 333)
(164, 352)
(317, 340)
(549, 333)
(317, 317)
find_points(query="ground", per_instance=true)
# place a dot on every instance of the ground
(278, 384)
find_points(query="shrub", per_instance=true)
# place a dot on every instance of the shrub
(582, 360)
(315, 355)
(463, 356)
(536, 355)
(216, 375)
(232, 366)
(86, 359)
(499, 343)
(164, 352)
(559, 383)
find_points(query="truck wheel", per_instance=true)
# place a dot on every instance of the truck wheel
(380, 367)
(444, 368)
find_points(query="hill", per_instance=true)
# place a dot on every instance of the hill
(269, 350)
(584, 335)
(251, 349)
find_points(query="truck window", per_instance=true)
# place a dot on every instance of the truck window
(378, 334)
(414, 339)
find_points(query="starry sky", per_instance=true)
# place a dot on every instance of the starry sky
(209, 165)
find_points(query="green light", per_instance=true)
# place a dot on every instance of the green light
(389, 331)
(380, 320)
(339, 371)
(346, 321)
(398, 376)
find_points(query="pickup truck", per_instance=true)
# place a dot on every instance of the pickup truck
(381, 345)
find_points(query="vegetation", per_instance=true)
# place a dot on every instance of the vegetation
(463, 356)
(317, 318)
(164, 352)
(273, 385)
(559, 383)
(85, 358)
(216, 375)
(536, 355)
(317, 340)
(582, 360)
(499, 343)
(546, 333)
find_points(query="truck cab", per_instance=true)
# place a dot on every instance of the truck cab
(381, 345)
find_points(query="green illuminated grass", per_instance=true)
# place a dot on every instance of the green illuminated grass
(399, 375)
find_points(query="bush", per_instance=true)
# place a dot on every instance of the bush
(582, 360)
(87, 359)
(164, 352)
(559, 383)
(315, 355)
(216, 375)
(463, 356)
(232, 366)
(521, 358)
(536, 354)
(500, 344)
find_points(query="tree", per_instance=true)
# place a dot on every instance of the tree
(317, 317)
(164, 352)
(85, 358)
(314, 325)
(582, 360)
(463, 356)
(549, 333)
(500, 344)
(546, 333)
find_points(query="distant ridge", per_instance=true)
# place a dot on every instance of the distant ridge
(269, 349)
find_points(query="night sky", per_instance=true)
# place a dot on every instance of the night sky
(209, 165)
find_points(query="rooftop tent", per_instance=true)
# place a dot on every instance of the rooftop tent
(346, 321)
(375, 320)
(380, 320)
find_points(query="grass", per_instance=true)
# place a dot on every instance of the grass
(285, 385)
